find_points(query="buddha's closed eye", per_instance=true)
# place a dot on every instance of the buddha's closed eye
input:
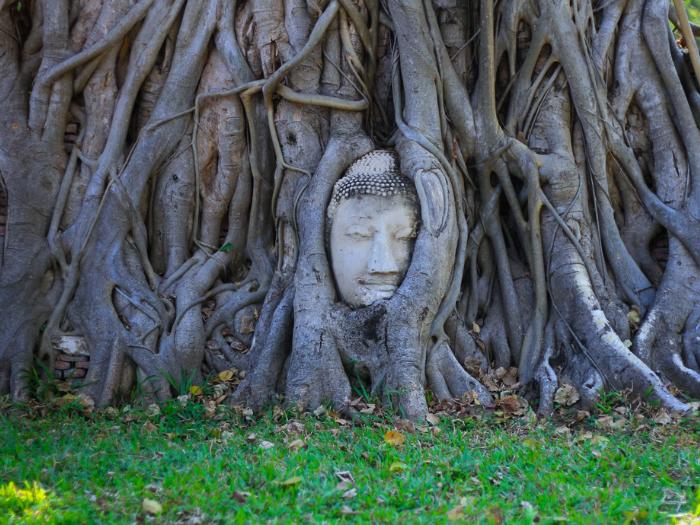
(405, 234)
(359, 233)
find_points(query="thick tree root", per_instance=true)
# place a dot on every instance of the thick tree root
(166, 165)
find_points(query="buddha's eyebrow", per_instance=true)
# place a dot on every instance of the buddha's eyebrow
(362, 227)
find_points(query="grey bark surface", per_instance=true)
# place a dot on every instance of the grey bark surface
(165, 168)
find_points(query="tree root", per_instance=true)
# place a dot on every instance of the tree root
(167, 165)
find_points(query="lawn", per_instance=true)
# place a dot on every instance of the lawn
(185, 464)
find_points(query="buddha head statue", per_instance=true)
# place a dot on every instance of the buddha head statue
(372, 222)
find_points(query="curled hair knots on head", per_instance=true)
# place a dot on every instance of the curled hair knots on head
(376, 173)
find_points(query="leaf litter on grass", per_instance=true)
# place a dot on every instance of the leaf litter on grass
(378, 445)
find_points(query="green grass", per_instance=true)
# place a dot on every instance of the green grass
(63, 467)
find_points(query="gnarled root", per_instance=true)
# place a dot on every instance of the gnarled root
(449, 380)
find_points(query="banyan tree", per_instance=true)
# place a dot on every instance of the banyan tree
(402, 194)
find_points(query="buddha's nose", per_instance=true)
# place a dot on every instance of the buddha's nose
(381, 259)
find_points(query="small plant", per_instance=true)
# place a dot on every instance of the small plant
(186, 384)
(359, 386)
(31, 504)
(608, 400)
(23, 503)
(42, 384)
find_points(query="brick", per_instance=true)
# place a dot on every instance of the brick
(61, 365)
(82, 364)
(70, 358)
(77, 373)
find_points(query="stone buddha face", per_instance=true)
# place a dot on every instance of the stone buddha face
(373, 222)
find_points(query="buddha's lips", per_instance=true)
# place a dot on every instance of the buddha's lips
(379, 286)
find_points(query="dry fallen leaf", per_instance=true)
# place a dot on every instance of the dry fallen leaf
(219, 393)
(111, 412)
(582, 414)
(566, 395)
(225, 375)
(291, 481)
(209, 409)
(240, 496)
(510, 378)
(66, 399)
(610, 423)
(601, 441)
(150, 506)
(349, 494)
(86, 402)
(296, 445)
(397, 467)
(490, 381)
(346, 511)
(663, 418)
(405, 425)
(457, 513)
(432, 419)
(266, 445)
(394, 438)
(604, 422)
(496, 515)
(562, 431)
(149, 427)
(345, 476)
(343, 485)
(292, 427)
(512, 405)
(583, 436)
(195, 390)
(634, 317)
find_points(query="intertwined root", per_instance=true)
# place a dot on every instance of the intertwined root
(166, 164)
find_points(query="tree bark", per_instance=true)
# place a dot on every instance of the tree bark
(166, 165)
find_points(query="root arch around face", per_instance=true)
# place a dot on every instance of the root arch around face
(167, 164)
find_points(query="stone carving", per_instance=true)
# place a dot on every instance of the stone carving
(372, 222)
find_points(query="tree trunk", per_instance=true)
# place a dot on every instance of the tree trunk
(166, 166)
